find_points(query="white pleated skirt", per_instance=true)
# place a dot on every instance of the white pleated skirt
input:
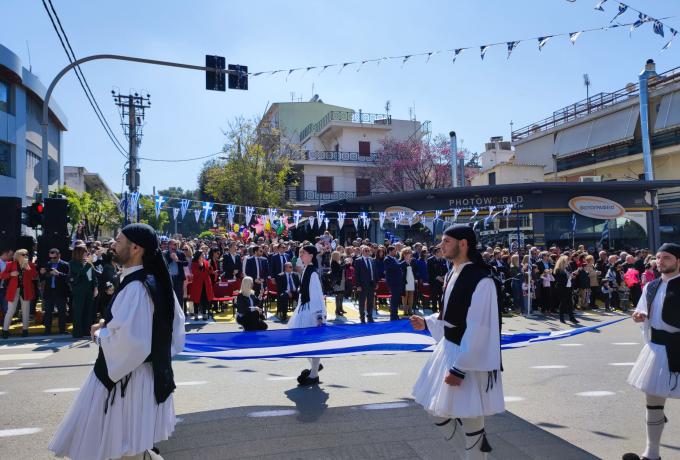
(650, 373)
(476, 396)
(302, 317)
(131, 425)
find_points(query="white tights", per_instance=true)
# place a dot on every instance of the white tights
(473, 426)
(656, 420)
(314, 367)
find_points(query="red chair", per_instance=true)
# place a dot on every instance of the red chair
(382, 291)
(272, 291)
(223, 293)
(424, 290)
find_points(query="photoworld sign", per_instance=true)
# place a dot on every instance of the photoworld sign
(516, 200)
(596, 207)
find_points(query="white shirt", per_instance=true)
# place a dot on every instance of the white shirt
(655, 320)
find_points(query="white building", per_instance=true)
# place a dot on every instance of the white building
(21, 98)
(500, 166)
(81, 180)
(334, 148)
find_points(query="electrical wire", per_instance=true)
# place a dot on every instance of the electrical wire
(183, 159)
(83, 81)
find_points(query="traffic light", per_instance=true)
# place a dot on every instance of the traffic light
(215, 80)
(32, 216)
(240, 79)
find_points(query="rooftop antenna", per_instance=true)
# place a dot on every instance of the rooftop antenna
(292, 96)
(586, 83)
(28, 48)
(388, 106)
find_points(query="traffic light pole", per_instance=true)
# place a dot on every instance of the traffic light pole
(44, 182)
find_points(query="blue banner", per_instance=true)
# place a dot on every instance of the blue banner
(387, 337)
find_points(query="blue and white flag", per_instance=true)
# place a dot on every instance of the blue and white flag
(231, 212)
(573, 36)
(605, 233)
(475, 211)
(511, 46)
(197, 214)
(175, 213)
(249, 210)
(599, 5)
(456, 212)
(184, 206)
(341, 219)
(355, 221)
(381, 218)
(158, 203)
(388, 337)
(542, 41)
(658, 28)
(455, 54)
(573, 223)
(213, 216)
(482, 50)
(207, 207)
(297, 215)
(622, 9)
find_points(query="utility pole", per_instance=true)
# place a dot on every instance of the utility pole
(132, 109)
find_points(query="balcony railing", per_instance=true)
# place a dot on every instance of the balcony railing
(351, 117)
(593, 104)
(332, 155)
(323, 197)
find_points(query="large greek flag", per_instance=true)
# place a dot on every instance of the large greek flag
(352, 339)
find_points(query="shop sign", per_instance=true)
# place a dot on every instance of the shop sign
(478, 201)
(596, 207)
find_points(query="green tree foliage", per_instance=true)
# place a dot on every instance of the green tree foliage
(253, 173)
(96, 210)
(147, 214)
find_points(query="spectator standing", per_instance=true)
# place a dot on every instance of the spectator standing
(394, 277)
(201, 293)
(55, 290)
(83, 283)
(19, 275)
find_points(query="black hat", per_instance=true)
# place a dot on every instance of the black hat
(462, 232)
(671, 248)
(142, 235)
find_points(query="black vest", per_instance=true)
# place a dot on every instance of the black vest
(670, 314)
(460, 299)
(161, 341)
(304, 284)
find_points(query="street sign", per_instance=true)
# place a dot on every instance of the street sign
(238, 80)
(215, 80)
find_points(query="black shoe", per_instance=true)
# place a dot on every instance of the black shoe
(306, 372)
(563, 321)
(5, 334)
(574, 320)
(371, 320)
(363, 321)
(343, 312)
(631, 456)
(307, 381)
(24, 333)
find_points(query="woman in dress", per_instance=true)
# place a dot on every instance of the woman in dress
(311, 309)
(248, 311)
(409, 280)
(19, 290)
(201, 287)
(338, 281)
(83, 281)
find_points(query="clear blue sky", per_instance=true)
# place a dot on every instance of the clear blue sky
(476, 98)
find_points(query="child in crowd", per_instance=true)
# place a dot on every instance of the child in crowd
(606, 294)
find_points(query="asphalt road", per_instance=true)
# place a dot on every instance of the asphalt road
(565, 399)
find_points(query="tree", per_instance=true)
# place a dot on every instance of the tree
(95, 210)
(253, 172)
(147, 214)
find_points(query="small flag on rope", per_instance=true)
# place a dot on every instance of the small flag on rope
(341, 219)
(573, 36)
(213, 216)
(184, 206)
(456, 213)
(231, 212)
(456, 53)
(658, 28)
(511, 46)
(175, 213)
(381, 218)
(622, 9)
(355, 221)
(249, 210)
(605, 233)
(482, 50)
(197, 214)
(599, 7)
(207, 206)
(542, 41)
(296, 217)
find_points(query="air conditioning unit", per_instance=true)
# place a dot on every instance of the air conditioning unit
(590, 179)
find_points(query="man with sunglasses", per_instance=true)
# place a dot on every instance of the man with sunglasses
(54, 274)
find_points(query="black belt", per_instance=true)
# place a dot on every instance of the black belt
(672, 343)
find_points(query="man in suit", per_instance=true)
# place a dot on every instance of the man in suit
(55, 291)
(176, 261)
(436, 271)
(366, 279)
(394, 276)
(231, 263)
(278, 259)
(257, 268)
(287, 287)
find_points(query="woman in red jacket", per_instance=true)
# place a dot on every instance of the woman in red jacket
(20, 274)
(201, 292)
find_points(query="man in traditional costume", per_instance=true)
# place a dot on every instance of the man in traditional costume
(126, 404)
(311, 309)
(657, 368)
(462, 378)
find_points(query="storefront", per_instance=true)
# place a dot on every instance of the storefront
(615, 214)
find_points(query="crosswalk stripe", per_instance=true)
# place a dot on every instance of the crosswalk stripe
(24, 356)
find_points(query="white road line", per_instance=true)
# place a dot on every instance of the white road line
(278, 379)
(3, 393)
(61, 390)
(196, 382)
(273, 413)
(595, 394)
(622, 364)
(19, 432)
(21, 356)
(550, 366)
(571, 344)
(513, 398)
(5, 372)
(626, 343)
(394, 405)
(32, 346)
(378, 374)
(28, 364)
(178, 420)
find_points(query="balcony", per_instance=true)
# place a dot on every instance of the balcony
(313, 196)
(331, 155)
(349, 117)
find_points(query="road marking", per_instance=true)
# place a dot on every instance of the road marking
(19, 432)
(273, 413)
(28, 364)
(20, 356)
(3, 393)
(595, 394)
(626, 343)
(571, 344)
(394, 405)
(178, 420)
(513, 398)
(622, 364)
(196, 382)
(550, 366)
(61, 390)
(5, 373)
(278, 379)
(378, 374)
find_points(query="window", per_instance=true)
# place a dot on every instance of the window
(6, 160)
(363, 186)
(492, 178)
(364, 148)
(4, 97)
(324, 184)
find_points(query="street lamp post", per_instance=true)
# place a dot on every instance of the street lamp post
(44, 182)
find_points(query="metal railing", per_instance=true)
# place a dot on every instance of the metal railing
(351, 117)
(332, 155)
(593, 104)
(323, 197)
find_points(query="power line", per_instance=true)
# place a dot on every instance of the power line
(183, 159)
(83, 81)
